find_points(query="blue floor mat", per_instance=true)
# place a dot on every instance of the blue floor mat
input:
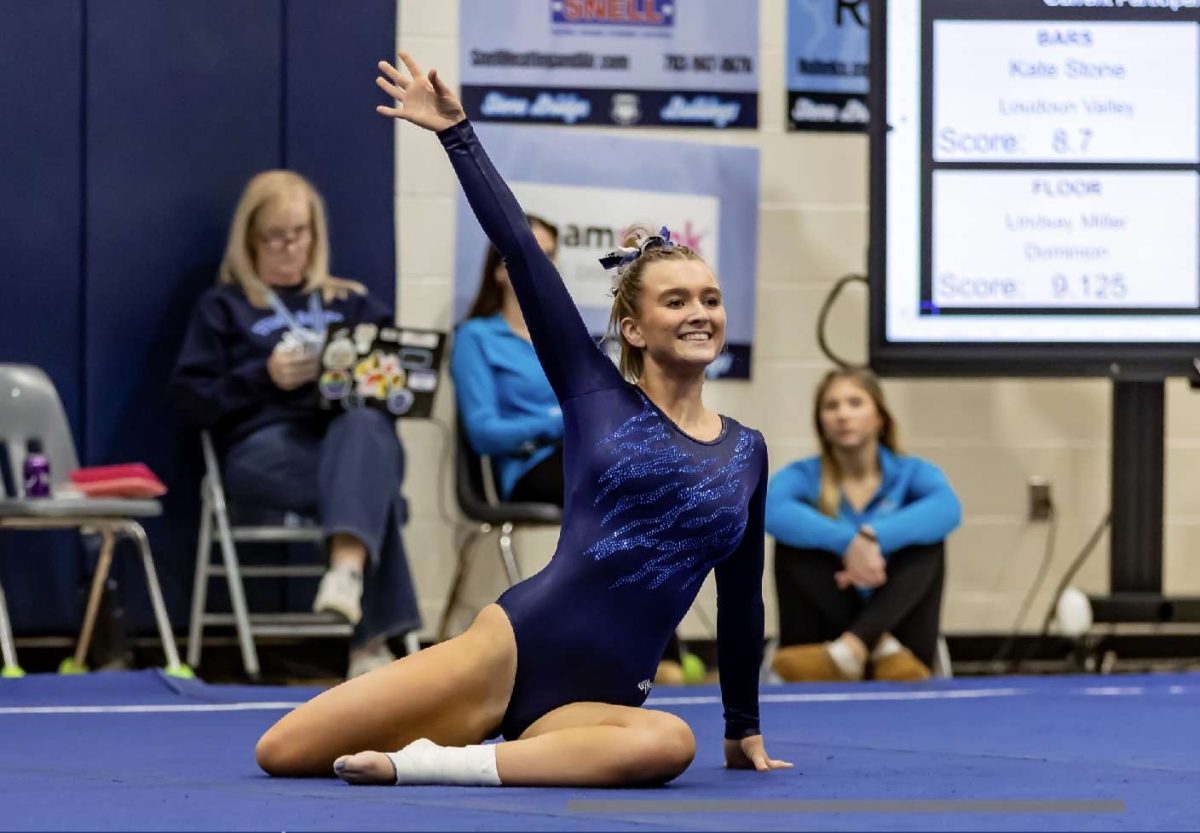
(141, 751)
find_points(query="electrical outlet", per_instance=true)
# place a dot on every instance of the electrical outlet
(1040, 503)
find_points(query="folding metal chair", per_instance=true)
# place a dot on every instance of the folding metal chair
(942, 669)
(30, 409)
(215, 515)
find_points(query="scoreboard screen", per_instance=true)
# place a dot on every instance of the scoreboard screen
(1035, 204)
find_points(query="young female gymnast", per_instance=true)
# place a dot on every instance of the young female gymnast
(507, 406)
(660, 490)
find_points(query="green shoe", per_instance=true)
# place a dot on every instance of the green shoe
(182, 671)
(12, 672)
(70, 666)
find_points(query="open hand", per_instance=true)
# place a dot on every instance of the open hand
(421, 99)
(749, 753)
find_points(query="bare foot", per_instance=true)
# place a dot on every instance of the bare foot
(365, 768)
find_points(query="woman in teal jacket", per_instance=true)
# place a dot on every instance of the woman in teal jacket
(859, 554)
(505, 402)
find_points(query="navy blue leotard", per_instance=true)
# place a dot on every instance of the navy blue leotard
(648, 509)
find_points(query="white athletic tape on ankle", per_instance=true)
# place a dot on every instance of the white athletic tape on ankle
(425, 762)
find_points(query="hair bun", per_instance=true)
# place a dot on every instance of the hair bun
(634, 235)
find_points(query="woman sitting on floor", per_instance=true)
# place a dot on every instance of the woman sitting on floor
(860, 552)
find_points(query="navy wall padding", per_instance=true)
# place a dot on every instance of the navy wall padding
(41, 48)
(137, 125)
(335, 137)
(41, 64)
(183, 108)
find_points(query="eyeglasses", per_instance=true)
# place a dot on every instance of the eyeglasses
(277, 240)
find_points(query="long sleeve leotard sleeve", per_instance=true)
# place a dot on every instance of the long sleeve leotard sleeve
(740, 620)
(573, 363)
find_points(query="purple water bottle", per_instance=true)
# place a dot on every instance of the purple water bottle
(37, 471)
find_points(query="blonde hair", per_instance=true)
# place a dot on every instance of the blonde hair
(627, 294)
(237, 266)
(830, 491)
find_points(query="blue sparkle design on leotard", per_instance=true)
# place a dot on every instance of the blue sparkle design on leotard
(697, 494)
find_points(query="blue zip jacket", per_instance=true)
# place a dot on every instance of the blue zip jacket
(505, 401)
(914, 505)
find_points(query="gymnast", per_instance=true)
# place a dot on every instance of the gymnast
(659, 490)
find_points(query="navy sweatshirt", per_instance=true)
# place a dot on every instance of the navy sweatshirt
(220, 380)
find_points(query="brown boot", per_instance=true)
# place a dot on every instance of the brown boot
(669, 673)
(806, 664)
(900, 667)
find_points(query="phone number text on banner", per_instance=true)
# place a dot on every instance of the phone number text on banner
(828, 50)
(594, 187)
(656, 63)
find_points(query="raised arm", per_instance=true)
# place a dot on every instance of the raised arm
(573, 363)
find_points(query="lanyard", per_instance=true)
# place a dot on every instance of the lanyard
(315, 311)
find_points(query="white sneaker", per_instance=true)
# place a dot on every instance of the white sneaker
(368, 658)
(341, 593)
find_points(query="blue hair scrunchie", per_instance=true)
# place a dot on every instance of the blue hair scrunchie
(625, 255)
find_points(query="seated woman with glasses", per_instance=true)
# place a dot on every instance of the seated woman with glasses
(247, 372)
